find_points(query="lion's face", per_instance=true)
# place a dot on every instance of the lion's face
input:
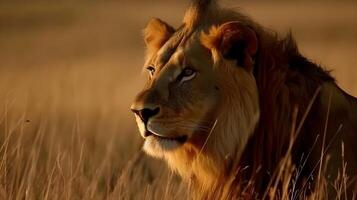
(178, 102)
(182, 97)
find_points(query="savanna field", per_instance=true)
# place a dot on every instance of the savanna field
(69, 71)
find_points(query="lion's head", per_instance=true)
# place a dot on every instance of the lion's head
(200, 103)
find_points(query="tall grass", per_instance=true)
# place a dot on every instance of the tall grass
(59, 156)
(59, 161)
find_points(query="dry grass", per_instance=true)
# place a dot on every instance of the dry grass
(69, 71)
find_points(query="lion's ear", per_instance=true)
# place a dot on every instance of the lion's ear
(234, 41)
(156, 33)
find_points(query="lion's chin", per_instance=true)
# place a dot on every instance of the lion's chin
(158, 146)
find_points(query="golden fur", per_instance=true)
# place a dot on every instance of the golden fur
(236, 115)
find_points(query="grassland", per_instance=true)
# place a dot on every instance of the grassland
(69, 71)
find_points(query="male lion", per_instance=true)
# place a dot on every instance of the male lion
(225, 97)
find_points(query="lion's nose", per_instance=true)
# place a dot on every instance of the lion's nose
(146, 113)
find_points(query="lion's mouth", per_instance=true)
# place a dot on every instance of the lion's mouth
(179, 139)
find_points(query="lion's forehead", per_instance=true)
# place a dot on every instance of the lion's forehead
(170, 47)
(182, 46)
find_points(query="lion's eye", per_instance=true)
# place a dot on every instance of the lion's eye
(188, 71)
(187, 74)
(151, 69)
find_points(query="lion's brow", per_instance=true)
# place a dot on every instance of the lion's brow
(178, 39)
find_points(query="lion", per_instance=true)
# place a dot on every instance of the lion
(224, 98)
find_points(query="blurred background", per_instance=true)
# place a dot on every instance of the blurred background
(70, 69)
